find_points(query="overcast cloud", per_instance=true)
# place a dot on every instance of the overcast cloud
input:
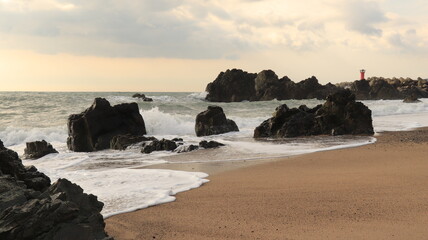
(201, 29)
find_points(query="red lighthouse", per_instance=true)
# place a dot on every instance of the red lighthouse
(362, 72)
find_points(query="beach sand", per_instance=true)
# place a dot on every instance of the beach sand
(377, 191)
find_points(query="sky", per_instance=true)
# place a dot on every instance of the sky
(182, 45)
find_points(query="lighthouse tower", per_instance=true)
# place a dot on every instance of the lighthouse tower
(362, 72)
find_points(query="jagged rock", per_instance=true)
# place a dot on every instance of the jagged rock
(186, 148)
(361, 89)
(237, 85)
(213, 121)
(210, 144)
(232, 86)
(380, 89)
(38, 149)
(156, 145)
(121, 142)
(143, 97)
(94, 128)
(31, 208)
(411, 99)
(10, 164)
(340, 114)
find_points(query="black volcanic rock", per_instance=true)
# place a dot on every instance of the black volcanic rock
(236, 85)
(159, 145)
(31, 208)
(38, 149)
(121, 142)
(232, 86)
(211, 144)
(213, 121)
(340, 114)
(94, 128)
(143, 97)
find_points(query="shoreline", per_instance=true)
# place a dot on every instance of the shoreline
(375, 191)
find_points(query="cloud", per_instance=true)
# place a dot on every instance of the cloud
(363, 16)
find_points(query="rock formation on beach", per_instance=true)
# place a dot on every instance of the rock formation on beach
(213, 121)
(32, 208)
(237, 85)
(38, 149)
(159, 145)
(339, 115)
(121, 142)
(94, 128)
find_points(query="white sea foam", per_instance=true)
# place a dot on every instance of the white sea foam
(123, 189)
(112, 175)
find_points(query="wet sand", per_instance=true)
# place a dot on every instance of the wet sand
(377, 191)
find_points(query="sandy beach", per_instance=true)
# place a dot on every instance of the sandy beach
(377, 191)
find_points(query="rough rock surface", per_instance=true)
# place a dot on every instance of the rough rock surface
(339, 115)
(94, 128)
(236, 85)
(186, 148)
(159, 145)
(31, 208)
(210, 144)
(232, 86)
(121, 142)
(38, 149)
(213, 121)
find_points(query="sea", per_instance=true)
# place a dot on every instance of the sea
(119, 178)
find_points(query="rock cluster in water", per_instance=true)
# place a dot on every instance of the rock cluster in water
(213, 121)
(94, 128)
(32, 208)
(339, 115)
(38, 149)
(237, 85)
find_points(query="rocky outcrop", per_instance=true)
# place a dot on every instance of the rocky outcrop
(186, 148)
(339, 115)
(38, 149)
(94, 128)
(159, 145)
(121, 142)
(210, 144)
(31, 208)
(376, 88)
(236, 85)
(213, 121)
(232, 86)
(143, 97)
(411, 99)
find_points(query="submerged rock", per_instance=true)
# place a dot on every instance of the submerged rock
(38, 149)
(210, 144)
(121, 142)
(339, 115)
(213, 121)
(156, 145)
(31, 208)
(143, 97)
(94, 128)
(411, 99)
(186, 148)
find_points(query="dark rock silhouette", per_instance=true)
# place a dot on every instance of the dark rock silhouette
(143, 97)
(38, 149)
(210, 144)
(186, 148)
(121, 142)
(339, 115)
(159, 145)
(232, 86)
(31, 208)
(94, 128)
(213, 121)
(236, 85)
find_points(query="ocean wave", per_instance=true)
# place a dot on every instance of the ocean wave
(19, 135)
